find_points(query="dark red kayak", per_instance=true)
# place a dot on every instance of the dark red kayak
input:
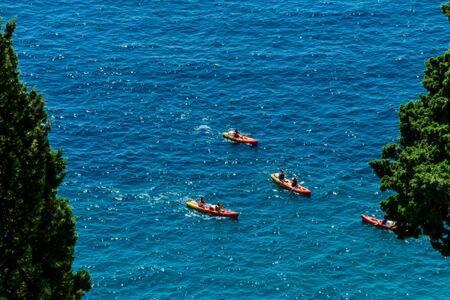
(378, 223)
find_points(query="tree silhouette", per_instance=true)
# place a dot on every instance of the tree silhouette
(37, 229)
(418, 168)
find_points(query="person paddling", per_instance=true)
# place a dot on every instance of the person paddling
(236, 133)
(281, 175)
(201, 202)
(294, 182)
(219, 206)
(389, 223)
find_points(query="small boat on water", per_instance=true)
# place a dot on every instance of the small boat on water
(240, 139)
(287, 184)
(211, 210)
(378, 223)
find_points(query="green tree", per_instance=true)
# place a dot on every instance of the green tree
(37, 229)
(417, 169)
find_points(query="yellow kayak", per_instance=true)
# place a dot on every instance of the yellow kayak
(287, 184)
(240, 139)
(211, 210)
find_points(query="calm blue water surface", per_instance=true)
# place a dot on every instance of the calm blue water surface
(139, 93)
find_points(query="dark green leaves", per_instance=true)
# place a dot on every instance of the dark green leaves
(37, 228)
(418, 168)
(446, 10)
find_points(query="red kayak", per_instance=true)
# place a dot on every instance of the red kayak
(287, 184)
(240, 139)
(211, 210)
(378, 223)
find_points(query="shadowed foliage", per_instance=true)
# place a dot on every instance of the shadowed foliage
(418, 168)
(37, 229)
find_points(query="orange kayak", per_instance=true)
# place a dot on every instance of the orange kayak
(211, 210)
(240, 139)
(287, 184)
(378, 223)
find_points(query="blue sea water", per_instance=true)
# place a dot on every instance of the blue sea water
(139, 93)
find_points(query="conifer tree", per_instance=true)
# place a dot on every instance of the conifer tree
(37, 228)
(417, 169)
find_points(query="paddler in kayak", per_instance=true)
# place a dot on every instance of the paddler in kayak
(294, 182)
(389, 223)
(201, 202)
(219, 206)
(281, 175)
(236, 133)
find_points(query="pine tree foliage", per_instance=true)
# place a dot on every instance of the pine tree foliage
(418, 168)
(37, 228)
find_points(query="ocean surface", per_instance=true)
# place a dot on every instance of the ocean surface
(139, 93)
